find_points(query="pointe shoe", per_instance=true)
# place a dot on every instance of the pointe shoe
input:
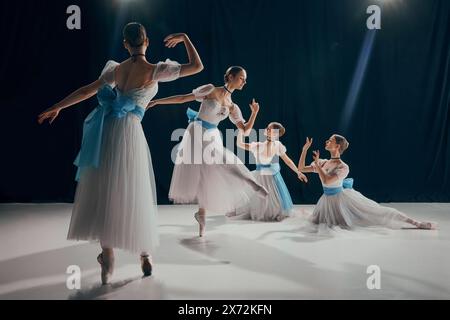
(146, 266)
(427, 225)
(107, 268)
(201, 223)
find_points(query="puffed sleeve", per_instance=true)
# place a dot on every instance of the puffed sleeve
(201, 92)
(281, 149)
(167, 71)
(236, 115)
(321, 163)
(109, 72)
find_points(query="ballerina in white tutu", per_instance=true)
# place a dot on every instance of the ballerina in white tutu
(341, 205)
(115, 200)
(278, 204)
(205, 172)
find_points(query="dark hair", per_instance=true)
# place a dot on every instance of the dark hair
(342, 142)
(134, 34)
(277, 126)
(232, 71)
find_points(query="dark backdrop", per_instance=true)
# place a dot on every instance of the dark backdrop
(300, 56)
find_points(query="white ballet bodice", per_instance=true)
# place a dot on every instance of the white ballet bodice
(265, 156)
(212, 111)
(333, 168)
(141, 96)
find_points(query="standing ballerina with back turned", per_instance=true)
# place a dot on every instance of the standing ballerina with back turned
(341, 205)
(205, 172)
(115, 201)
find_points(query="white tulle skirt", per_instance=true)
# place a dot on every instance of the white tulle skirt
(116, 203)
(350, 208)
(220, 183)
(268, 209)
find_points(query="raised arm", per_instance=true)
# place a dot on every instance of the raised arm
(240, 141)
(75, 97)
(247, 127)
(195, 64)
(301, 164)
(172, 100)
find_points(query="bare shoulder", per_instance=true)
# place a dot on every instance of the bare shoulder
(149, 65)
(130, 74)
(215, 94)
(216, 91)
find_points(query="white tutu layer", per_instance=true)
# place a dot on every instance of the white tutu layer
(221, 185)
(267, 209)
(350, 208)
(116, 203)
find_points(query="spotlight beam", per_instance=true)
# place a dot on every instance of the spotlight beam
(358, 78)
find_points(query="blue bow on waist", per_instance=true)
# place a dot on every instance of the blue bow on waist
(193, 116)
(110, 105)
(346, 184)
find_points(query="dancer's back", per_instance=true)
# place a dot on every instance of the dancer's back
(134, 74)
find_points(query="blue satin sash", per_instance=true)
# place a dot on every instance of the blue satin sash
(286, 200)
(347, 184)
(193, 116)
(110, 105)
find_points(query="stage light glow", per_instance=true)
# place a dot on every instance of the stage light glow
(358, 78)
(124, 3)
(387, 3)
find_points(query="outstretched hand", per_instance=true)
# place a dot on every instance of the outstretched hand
(51, 113)
(316, 156)
(151, 104)
(308, 144)
(254, 106)
(302, 177)
(173, 39)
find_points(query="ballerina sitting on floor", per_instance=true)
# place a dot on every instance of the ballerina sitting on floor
(341, 205)
(278, 204)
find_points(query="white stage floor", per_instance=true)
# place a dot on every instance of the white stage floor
(236, 259)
